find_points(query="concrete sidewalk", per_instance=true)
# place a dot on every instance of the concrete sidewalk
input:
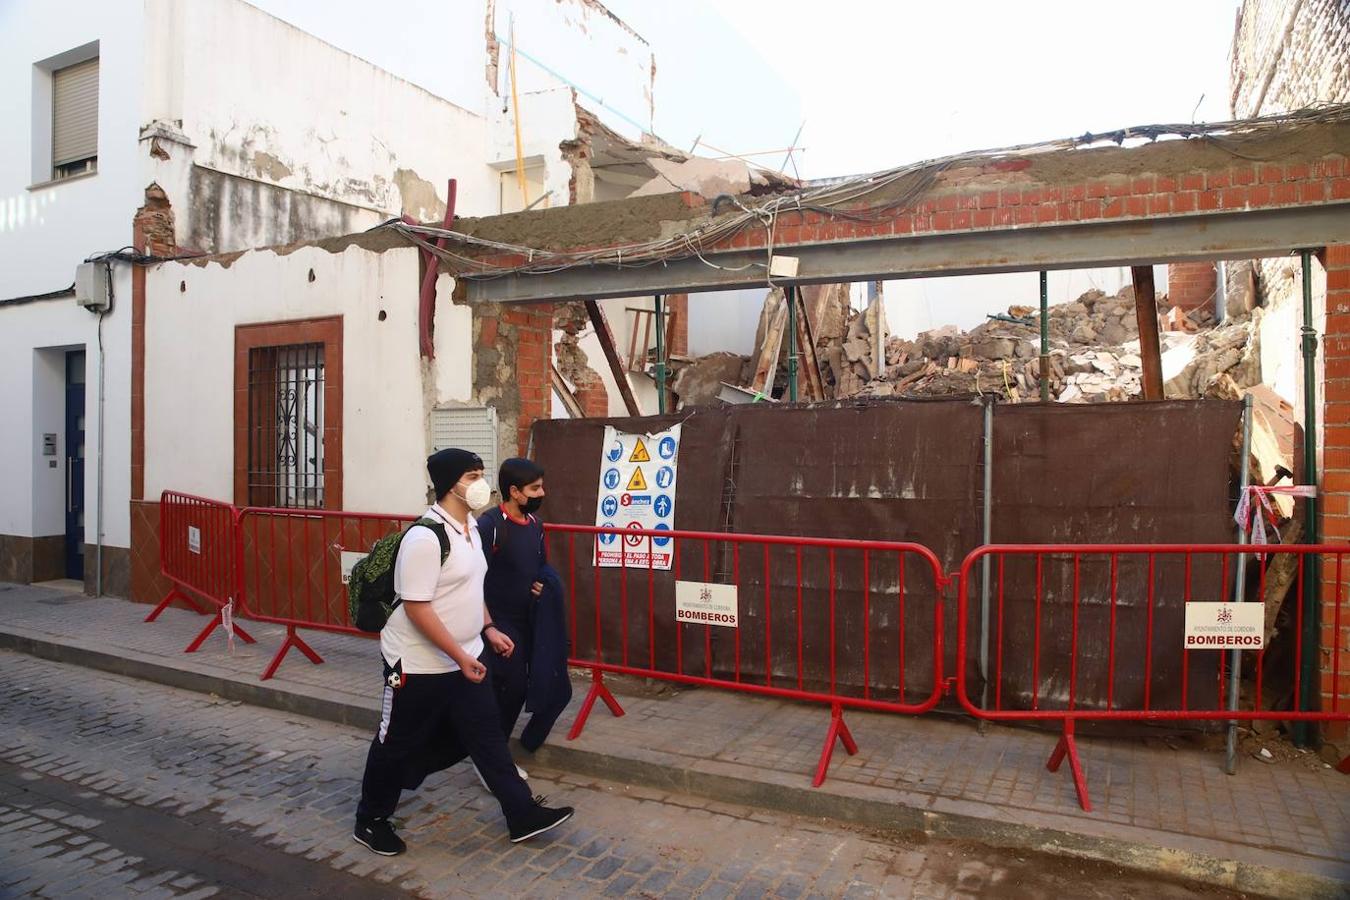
(1280, 829)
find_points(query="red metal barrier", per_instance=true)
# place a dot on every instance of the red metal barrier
(289, 569)
(1053, 609)
(816, 619)
(196, 554)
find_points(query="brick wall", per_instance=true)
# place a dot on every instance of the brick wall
(1191, 285)
(533, 332)
(1289, 53)
(1336, 485)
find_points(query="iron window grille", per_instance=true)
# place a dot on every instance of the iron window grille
(285, 426)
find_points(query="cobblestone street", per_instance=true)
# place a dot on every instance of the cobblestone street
(113, 787)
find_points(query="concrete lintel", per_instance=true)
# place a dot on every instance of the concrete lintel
(1218, 235)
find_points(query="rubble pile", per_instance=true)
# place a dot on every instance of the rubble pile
(1094, 355)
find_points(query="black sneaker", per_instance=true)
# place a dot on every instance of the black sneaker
(538, 819)
(379, 836)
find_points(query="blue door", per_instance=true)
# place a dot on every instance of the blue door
(75, 465)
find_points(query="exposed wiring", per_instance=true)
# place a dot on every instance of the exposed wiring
(866, 199)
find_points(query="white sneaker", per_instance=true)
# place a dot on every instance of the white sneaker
(483, 781)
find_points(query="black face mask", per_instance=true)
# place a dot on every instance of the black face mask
(532, 504)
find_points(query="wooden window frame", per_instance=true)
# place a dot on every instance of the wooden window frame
(326, 331)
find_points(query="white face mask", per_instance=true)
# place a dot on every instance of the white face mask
(478, 494)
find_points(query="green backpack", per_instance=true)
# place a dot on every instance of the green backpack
(370, 589)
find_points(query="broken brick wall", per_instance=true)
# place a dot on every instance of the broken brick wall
(512, 368)
(1191, 285)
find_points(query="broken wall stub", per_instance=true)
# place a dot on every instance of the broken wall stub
(911, 472)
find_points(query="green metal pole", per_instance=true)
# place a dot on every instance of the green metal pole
(1045, 338)
(1305, 733)
(790, 295)
(660, 354)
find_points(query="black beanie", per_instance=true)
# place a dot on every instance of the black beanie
(446, 467)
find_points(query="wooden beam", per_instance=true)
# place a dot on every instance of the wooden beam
(1146, 313)
(569, 399)
(616, 368)
(774, 318)
(806, 350)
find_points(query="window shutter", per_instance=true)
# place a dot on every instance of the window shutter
(75, 113)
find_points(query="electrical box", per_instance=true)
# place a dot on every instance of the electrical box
(92, 287)
(469, 428)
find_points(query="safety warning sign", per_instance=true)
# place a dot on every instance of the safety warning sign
(637, 493)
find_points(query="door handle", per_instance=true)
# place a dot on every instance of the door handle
(70, 490)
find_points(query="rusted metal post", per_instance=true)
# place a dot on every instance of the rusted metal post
(606, 338)
(1045, 337)
(660, 354)
(790, 295)
(1146, 313)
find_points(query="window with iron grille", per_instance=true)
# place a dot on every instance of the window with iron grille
(286, 426)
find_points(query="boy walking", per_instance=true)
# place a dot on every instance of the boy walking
(525, 598)
(433, 647)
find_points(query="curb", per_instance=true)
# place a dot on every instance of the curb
(1147, 859)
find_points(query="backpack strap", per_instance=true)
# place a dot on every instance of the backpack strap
(442, 538)
(438, 528)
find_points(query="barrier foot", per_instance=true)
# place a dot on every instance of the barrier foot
(598, 691)
(212, 626)
(838, 731)
(1067, 746)
(292, 640)
(1344, 767)
(171, 596)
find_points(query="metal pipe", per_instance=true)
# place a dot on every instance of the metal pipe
(1220, 292)
(1045, 336)
(988, 538)
(790, 296)
(660, 355)
(1240, 589)
(1305, 733)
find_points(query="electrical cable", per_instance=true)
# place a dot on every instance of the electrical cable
(842, 200)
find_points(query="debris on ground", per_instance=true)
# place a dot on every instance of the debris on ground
(1094, 355)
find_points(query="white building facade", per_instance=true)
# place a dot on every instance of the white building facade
(213, 127)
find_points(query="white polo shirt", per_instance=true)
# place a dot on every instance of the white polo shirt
(454, 590)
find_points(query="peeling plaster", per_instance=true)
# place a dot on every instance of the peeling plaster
(268, 166)
(419, 198)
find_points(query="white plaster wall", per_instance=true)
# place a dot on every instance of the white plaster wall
(547, 118)
(453, 366)
(577, 43)
(383, 412)
(263, 100)
(32, 502)
(724, 320)
(45, 232)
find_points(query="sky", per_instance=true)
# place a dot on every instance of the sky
(884, 83)
(871, 85)
(880, 84)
